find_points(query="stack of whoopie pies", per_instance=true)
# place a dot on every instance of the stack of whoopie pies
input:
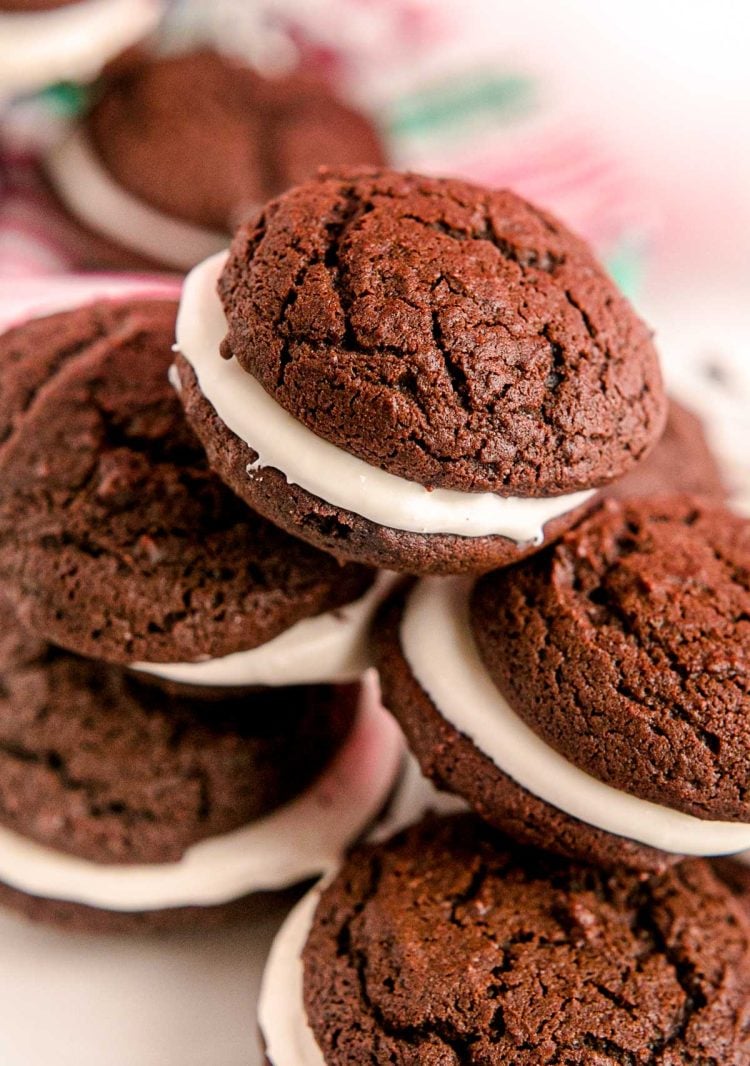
(438, 379)
(182, 721)
(395, 372)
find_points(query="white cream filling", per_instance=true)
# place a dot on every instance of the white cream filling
(281, 1011)
(282, 1017)
(92, 195)
(303, 839)
(438, 644)
(324, 470)
(70, 43)
(328, 648)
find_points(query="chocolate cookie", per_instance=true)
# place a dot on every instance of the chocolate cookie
(460, 367)
(564, 699)
(204, 138)
(79, 918)
(123, 808)
(97, 763)
(682, 461)
(625, 648)
(178, 149)
(448, 944)
(457, 764)
(116, 540)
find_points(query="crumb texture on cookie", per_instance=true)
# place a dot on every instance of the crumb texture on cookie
(116, 539)
(625, 647)
(451, 335)
(101, 765)
(448, 945)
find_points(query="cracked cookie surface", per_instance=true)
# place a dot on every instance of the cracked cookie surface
(451, 335)
(454, 763)
(103, 765)
(207, 139)
(448, 945)
(116, 540)
(626, 648)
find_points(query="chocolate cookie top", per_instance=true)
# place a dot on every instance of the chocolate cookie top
(206, 139)
(682, 461)
(99, 764)
(449, 945)
(451, 335)
(116, 540)
(626, 648)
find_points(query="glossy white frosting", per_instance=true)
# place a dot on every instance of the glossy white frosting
(301, 840)
(92, 195)
(70, 43)
(438, 644)
(331, 647)
(321, 468)
(282, 1017)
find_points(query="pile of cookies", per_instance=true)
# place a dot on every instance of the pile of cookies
(181, 680)
(438, 379)
(398, 464)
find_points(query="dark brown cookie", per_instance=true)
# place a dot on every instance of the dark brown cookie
(450, 945)
(203, 138)
(80, 918)
(456, 764)
(116, 540)
(682, 461)
(99, 764)
(342, 533)
(451, 335)
(626, 648)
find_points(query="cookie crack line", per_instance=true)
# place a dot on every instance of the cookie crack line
(695, 999)
(412, 1035)
(125, 330)
(54, 762)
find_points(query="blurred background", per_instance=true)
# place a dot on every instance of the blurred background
(630, 121)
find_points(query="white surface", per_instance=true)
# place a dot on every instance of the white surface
(331, 647)
(94, 196)
(319, 467)
(71, 43)
(172, 1000)
(439, 646)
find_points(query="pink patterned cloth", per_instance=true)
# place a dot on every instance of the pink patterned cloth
(30, 297)
(414, 65)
